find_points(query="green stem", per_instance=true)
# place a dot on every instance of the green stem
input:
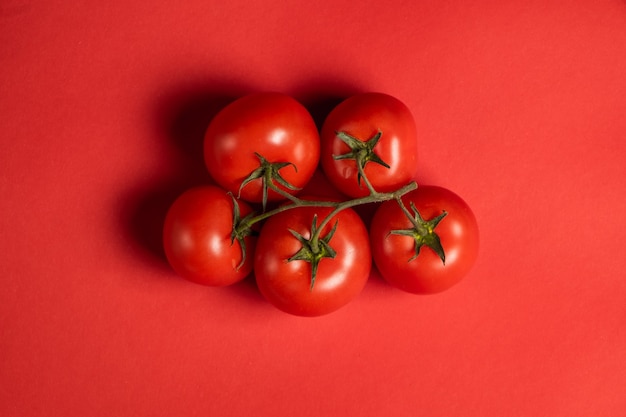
(374, 197)
(368, 184)
(407, 213)
(295, 202)
(337, 206)
(283, 193)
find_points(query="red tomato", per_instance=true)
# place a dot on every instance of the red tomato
(362, 117)
(197, 238)
(287, 284)
(273, 125)
(426, 273)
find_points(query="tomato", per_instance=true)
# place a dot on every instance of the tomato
(393, 244)
(391, 163)
(197, 237)
(272, 126)
(288, 284)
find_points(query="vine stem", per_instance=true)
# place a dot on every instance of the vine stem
(314, 242)
(407, 213)
(295, 202)
(373, 197)
(315, 248)
(337, 206)
(368, 184)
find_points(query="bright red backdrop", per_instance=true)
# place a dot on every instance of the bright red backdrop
(520, 107)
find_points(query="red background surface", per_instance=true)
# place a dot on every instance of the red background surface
(520, 108)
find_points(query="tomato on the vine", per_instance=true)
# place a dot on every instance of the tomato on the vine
(197, 237)
(431, 251)
(376, 131)
(287, 281)
(269, 134)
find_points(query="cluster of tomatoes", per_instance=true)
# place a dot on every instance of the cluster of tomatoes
(312, 255)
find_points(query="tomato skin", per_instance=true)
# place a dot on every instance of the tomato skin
(196, 237)
(458, 233)
(362, 116)
(273, 125)
(287, 285)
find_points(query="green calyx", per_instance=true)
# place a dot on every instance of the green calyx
(361, 151)
(241, 229)
(314, 249)
(269, 174)
(422, 232)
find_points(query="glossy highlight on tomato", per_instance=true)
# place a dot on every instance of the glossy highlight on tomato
(287, 284)
(196, 238)
(427, 273)
(271, 125)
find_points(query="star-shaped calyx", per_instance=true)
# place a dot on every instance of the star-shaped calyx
(269, 174)
(422, 232)
(361, 151)
(315, 248)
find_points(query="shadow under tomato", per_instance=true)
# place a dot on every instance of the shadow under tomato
(182, 113)
(320, 96)
(142, 212)
(180, 117)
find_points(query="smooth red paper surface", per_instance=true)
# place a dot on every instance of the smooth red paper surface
(520, 110)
